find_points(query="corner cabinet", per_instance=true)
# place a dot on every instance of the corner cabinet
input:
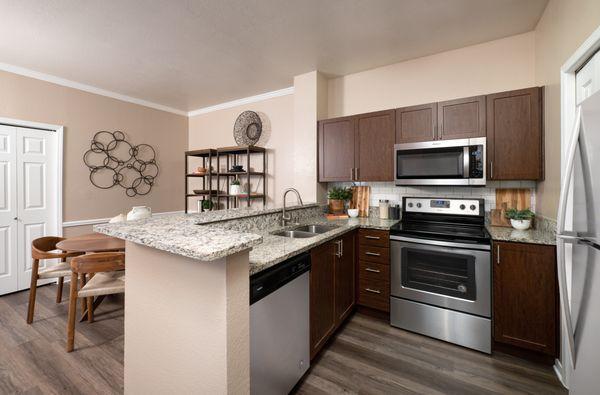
(357, 148)
(332, 281)
(515, 144)
(526, 296)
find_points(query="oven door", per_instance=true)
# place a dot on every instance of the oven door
(453, 276)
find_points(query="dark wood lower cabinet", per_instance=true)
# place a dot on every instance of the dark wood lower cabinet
(526, 296)
(332, 288)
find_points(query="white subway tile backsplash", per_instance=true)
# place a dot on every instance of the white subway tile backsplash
(387, 190)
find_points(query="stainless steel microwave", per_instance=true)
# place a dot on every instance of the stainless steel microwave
(441, 162)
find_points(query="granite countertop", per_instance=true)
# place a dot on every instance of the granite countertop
(276, 249)
(180, 234)
(532, 236)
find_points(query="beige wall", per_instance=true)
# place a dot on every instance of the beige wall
(82, 114)
(563, 27)
(494, 66)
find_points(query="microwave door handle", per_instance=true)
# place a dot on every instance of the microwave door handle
(466, 162)
(560, 240)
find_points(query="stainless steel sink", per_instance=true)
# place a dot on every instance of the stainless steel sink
(305, 231)
(294, 234)
(316, 228)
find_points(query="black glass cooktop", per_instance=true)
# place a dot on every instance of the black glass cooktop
(442, 231)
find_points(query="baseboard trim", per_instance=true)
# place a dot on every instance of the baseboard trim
(96, 221)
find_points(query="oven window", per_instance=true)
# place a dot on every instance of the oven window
(439, 272)
(430, 163)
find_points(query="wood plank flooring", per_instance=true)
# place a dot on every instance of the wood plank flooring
(366, 357)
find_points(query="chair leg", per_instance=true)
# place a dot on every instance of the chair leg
(72, 313)
(90, 309)
(32, 289)
(82, 281)
(59, 290)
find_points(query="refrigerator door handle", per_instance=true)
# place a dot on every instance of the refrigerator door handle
(560, 239)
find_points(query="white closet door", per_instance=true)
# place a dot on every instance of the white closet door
(8, 210)
(36, 195)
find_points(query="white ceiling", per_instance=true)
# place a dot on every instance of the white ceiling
(192, 54)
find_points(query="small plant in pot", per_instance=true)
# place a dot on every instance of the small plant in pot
(520, 219)
(338, 196)
(207, 205)
(235, 188)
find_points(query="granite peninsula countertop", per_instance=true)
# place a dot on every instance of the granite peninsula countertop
(531, 236)
(180, 234)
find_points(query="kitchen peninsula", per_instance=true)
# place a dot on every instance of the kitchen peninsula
(187, 305)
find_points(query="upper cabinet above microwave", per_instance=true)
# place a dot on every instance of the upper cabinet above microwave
(448, 120)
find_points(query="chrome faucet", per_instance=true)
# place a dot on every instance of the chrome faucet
(286, 217)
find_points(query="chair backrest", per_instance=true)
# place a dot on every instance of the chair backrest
(41, 247)
(99, 262)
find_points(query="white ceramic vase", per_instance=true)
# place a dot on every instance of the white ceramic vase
(139, 212)
(520, 224)
(235, 190)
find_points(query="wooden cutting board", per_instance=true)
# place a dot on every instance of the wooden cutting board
(506, 198)
(360, 200)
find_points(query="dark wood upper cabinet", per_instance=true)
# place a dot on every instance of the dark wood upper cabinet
(461, 118)
(374, 151)
(322, 295)
(515, 149)
(336, 139)
(344, 278)
(525, 296)
(416, 123)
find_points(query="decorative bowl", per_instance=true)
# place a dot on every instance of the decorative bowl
(520, 224)
(353, 212)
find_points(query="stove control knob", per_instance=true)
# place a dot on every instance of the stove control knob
(462, 206)
(473, 207)
(418, 205)
(410, 204)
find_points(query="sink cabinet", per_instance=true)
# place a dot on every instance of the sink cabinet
(332, 292)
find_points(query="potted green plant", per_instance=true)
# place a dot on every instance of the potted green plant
(235, 188)
(337, 198)
(520, 219)
(207, 204)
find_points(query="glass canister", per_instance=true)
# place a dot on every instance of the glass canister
(384, 206)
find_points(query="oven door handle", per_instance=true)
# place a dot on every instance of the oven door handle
(440, 243)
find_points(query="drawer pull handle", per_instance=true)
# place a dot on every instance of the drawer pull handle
(372, 253)
(373, 237)
(374, 291)
(372, 270)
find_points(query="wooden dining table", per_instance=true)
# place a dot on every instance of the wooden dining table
(91, 243)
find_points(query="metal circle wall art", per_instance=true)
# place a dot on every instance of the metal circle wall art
(112, 160)
(247, 128)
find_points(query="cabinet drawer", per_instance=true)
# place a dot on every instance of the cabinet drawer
(374, 294)
(374, 254)
(373, 237)
(374, 271)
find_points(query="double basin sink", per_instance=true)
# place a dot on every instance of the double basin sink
(304, 231)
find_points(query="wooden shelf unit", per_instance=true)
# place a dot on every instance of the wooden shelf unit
(229, 156)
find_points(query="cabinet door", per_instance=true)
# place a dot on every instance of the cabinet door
(515, 135)
(461, 118)
(344, 278)
(322, 296)
(416, 123)
(525, 296)
(375, 136)
(336, 149)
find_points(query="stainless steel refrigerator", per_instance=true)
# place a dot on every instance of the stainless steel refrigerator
(578, 251)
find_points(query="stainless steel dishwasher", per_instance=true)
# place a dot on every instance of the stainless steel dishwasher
(279, 326)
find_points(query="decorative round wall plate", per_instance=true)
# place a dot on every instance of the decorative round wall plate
(247, 128)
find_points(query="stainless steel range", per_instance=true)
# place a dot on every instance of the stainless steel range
(441, 271)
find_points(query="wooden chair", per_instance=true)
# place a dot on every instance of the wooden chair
(45, 248)
(107, 276)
